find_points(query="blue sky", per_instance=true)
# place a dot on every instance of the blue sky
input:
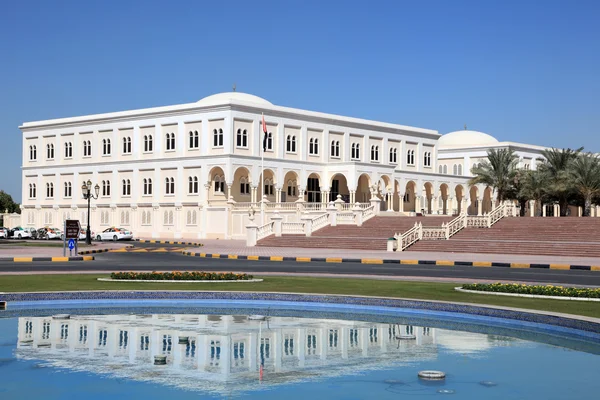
(525, 71)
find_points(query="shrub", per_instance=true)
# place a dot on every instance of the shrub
(548, 290)
(180, 276)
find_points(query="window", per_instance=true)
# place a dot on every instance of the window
(192, 217)
(170, 142)
(49, 190)
(168, 218)
(32, 191)
(313, 147)
(393, 155)
(48, 218)
(355, 151)
(219, 184)
(68, 189)
(244, 186)
(124, 217)
(50, 151)
(291, 189)
(126, 187)
(147, 186)
(455, 170)
(126, 145)
(105, 188)
(460, 169)
(445, 169)
(335, 148)
(146, 218)
(242, 138)
(169, 185)
(147, 143)
(410, 157)
(218, 138)
(526, 167)
(269, 141)
(374, 153)
(87, 148)
(193, 185)
(268, 187)
(290, 144)
(105, 147)
(427, 159)
(440, 169)
(32, 152)
(68, 150)
(195, 140)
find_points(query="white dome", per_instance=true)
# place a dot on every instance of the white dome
(466, 139)
(232, 97)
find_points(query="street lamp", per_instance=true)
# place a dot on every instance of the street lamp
(86, 188)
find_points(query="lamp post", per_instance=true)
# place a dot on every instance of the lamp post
(86, 189)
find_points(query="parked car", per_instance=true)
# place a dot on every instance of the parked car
(3, 233)
(19, 233)
(33, 232)
(115, 234)
(83, 232)
(53, 233)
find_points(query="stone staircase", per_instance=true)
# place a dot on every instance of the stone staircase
(372, 235)
(527, 236)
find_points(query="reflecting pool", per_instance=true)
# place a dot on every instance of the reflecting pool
(282, 354)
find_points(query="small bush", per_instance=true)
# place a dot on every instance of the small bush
(548, 290)
(180, 276)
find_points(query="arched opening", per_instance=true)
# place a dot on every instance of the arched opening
(396, 197)
(427, 206)
(290, 191)
(218, 188)
(241, 189)
(363, 189)
(266, 186)
(313, 188)
(487, 205)
(385, 189)
(473, 200)
(339, 186)
(410, 198)
(443, 205)
(459, 194)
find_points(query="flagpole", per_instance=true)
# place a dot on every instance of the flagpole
(262, 179)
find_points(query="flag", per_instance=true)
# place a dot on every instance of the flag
(265, 133)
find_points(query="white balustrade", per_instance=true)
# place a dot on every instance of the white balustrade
(292, 228)
(368, 212)
(345, 218)
(320, 222)
(265, 230)
(403, 240)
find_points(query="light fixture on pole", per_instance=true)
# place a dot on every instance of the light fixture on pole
(86, 190)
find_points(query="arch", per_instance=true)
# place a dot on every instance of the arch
(313, 188)
(410, 197)
(268, 185)
(363, 188)
(427, 198)
(338, 185)
(241, 184)
(290, 188)
(487, 205)
(473, 200)
(459, 195)
(443, 200)
(218, 188)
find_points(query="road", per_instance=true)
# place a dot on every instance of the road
(170, 261)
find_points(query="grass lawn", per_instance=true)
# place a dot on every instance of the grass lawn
(361, 287)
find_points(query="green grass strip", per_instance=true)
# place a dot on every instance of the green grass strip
(543, 290)
(358, 287)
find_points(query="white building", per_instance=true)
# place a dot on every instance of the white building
(194, 170)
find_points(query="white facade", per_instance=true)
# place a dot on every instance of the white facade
(180, 171)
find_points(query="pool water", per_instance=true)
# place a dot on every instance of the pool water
(222, 353)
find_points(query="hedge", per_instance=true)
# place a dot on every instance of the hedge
(180, 276)
(548, 290)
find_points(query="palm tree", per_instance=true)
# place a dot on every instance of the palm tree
(534, 186)
(497, 172)
(556, 166)
(584, 175)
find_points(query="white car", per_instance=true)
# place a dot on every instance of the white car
(82, 234)
(53, 233)
(21, 233)
(115, 234)
(3, 233)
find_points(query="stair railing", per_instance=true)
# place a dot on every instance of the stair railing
(403, 240)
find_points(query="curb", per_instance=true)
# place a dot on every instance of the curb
(169, 242)
(51, 259)
(388, 261)
(102, 250)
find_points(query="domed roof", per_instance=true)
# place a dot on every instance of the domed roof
(232, 97)
(466, 139)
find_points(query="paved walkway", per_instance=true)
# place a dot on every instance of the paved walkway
(8, 251)
(239, 247)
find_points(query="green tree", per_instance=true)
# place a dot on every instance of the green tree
(533, 186)
(497, 172)
(556, 167)
(584, 176)
(7, 203)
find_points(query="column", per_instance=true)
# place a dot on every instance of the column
(277, 195)
(180, 139)
(400, 202)
(434, 204)
(389, 201)
(417, 203)
(543, 210)
(479, 206)
(352, 196)
(303, 143)
(532, 208)
(205, 142)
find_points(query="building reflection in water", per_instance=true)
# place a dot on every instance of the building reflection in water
(225, 354)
